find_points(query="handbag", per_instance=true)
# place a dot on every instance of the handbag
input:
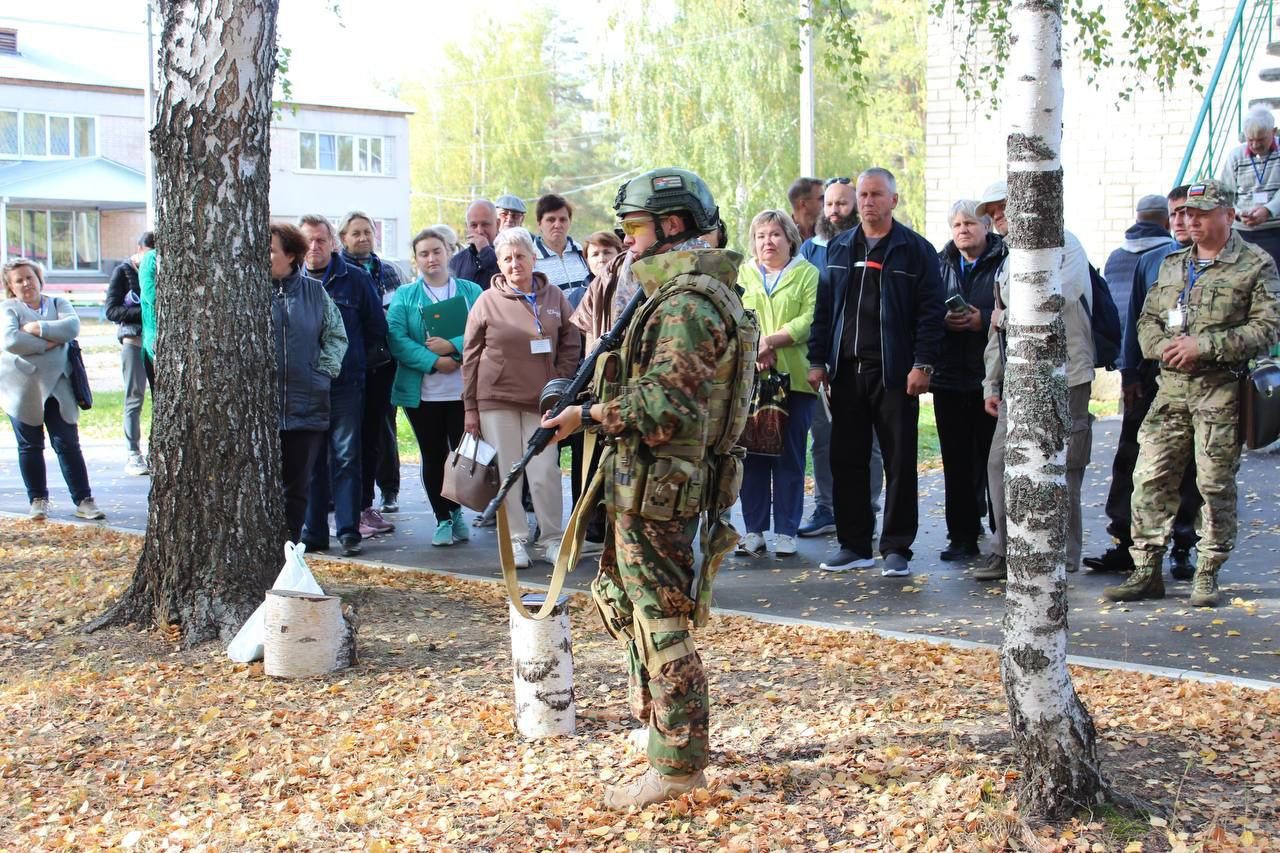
(79, 376)
(767, 417)
(1260, 405)
(467, 481)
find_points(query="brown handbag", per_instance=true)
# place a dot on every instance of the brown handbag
(469, 483)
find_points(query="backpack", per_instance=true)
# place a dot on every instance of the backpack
(1105, 322)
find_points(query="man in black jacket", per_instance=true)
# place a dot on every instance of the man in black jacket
(124, 308)
(476, 261)
(875, 337)
(970, 263)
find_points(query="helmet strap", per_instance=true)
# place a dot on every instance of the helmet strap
(663, 240)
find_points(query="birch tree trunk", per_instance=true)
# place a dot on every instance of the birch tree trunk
(216, 520)
(1052, 731)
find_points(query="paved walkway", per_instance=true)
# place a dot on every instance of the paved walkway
(1241, 638)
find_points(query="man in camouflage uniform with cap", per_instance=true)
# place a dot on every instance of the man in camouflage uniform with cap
(663, 409)
(1213, 307)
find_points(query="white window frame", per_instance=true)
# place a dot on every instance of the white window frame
(358, 141)
(73, 136)
(47, 262)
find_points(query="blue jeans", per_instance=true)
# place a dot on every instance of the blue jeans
(65, 439)
(337, 471)
(776, 483)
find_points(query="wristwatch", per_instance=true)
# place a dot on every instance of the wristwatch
(927, 368)
(587, 420)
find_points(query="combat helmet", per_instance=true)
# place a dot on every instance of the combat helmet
(662, 191)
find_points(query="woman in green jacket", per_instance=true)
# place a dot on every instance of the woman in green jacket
(425, 325)
(782, 288)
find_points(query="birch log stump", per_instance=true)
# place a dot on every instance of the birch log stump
(542, 656)
(306, 635)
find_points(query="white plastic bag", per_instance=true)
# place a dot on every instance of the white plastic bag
(246, 647)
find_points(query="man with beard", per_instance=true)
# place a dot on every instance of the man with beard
(839, 214)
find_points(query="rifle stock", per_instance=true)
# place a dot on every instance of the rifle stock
(542, 436)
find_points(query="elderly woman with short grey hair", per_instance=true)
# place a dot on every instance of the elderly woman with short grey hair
(518, 338)
(782, 288)
(1253, 171)
(35, 386)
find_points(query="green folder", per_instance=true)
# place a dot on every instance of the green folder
(445, 319)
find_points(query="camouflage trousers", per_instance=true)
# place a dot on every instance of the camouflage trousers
(1190, 418)
(645, 577)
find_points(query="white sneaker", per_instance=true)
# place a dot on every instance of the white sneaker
(136, 466)
(895, 566)
(590, 549)
(784, 546)
(551, 551)
(520, 554)
(88, 509)
(752, 544)
(39, 509)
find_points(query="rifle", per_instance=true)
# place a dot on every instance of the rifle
(560, 394)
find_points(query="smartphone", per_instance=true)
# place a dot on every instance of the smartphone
(956, 305)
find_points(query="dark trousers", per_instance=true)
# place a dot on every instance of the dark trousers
(336, 476)
(964, 436)
(65, 439)
(298, 451)
(380, 454)
(860, 404)
(774, 485)
(1120, 497)
(437, 425)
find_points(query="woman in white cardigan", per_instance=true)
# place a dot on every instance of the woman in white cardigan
(35, 391)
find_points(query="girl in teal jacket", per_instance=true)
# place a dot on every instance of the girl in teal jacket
(421, 325)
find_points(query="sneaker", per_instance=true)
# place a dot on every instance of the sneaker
(315, 547)
(752, 545)
(137, 465)
(444, 533)
(520, 554)
(895, 566)
(372, 518)
(391, 502)
(959, 551)
(551, 552)
(483, 522)
(846, 559)
(822, 522)
(367, 532)
(39, 509)
(784, 545)
(590, 548)
(88, 509)
(1115, 561)
(350, 545)
(461, 532)
(996, 569)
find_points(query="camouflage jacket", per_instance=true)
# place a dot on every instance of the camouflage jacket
(1232, 311)
(683, 348)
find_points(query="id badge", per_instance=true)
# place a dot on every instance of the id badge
(540, 346)
(1176, 318)
(1261, 198)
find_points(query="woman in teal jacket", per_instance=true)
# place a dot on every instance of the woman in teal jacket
(425, 325)
(782, 288)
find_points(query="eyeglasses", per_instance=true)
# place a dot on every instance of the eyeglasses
(831, 181)
(633, 227)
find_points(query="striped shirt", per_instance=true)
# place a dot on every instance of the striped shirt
(1255, 181)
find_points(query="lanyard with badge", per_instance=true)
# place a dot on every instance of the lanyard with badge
(1260, 196)
(1178, 313)
(541, 344)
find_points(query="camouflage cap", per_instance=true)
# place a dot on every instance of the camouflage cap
(1210, 195)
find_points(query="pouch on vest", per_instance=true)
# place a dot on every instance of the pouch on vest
(672, 486)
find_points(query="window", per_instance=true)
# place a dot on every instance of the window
(61, 240)
(30, 135)
(341, 152)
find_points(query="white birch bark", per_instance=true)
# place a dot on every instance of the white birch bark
(306, 635)
(542, 658)
(1051, 729)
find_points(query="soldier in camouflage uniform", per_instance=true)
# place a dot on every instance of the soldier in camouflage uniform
(1213, 307)
(663, 406)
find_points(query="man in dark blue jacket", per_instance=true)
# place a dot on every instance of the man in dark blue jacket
(1149, 231)
(476, 260)
(337, 473)
(876, 332)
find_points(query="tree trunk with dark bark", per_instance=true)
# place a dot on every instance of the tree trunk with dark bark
(216, 523)
(1052, 731)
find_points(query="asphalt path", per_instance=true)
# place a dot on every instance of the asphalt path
(1239, 639)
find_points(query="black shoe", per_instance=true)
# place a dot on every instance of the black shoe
(316, 547)
(960, 551)
(1180, 565)
(350, 546)
(1115, 561)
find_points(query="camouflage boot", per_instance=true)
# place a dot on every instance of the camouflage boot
(1146, 581)
(1204, 586)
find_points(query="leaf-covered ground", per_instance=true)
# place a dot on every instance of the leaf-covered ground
(821, 739)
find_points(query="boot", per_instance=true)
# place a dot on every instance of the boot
(996, 569)
(1204, 586)
(1116, 559)
(1146, 581)
(1180, 564)
(651, 788)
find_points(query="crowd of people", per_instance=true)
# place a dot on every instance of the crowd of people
(859, 317)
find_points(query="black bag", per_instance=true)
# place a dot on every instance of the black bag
(767, 419)
(1105, 322)
(79, 376)
(1260, 405)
